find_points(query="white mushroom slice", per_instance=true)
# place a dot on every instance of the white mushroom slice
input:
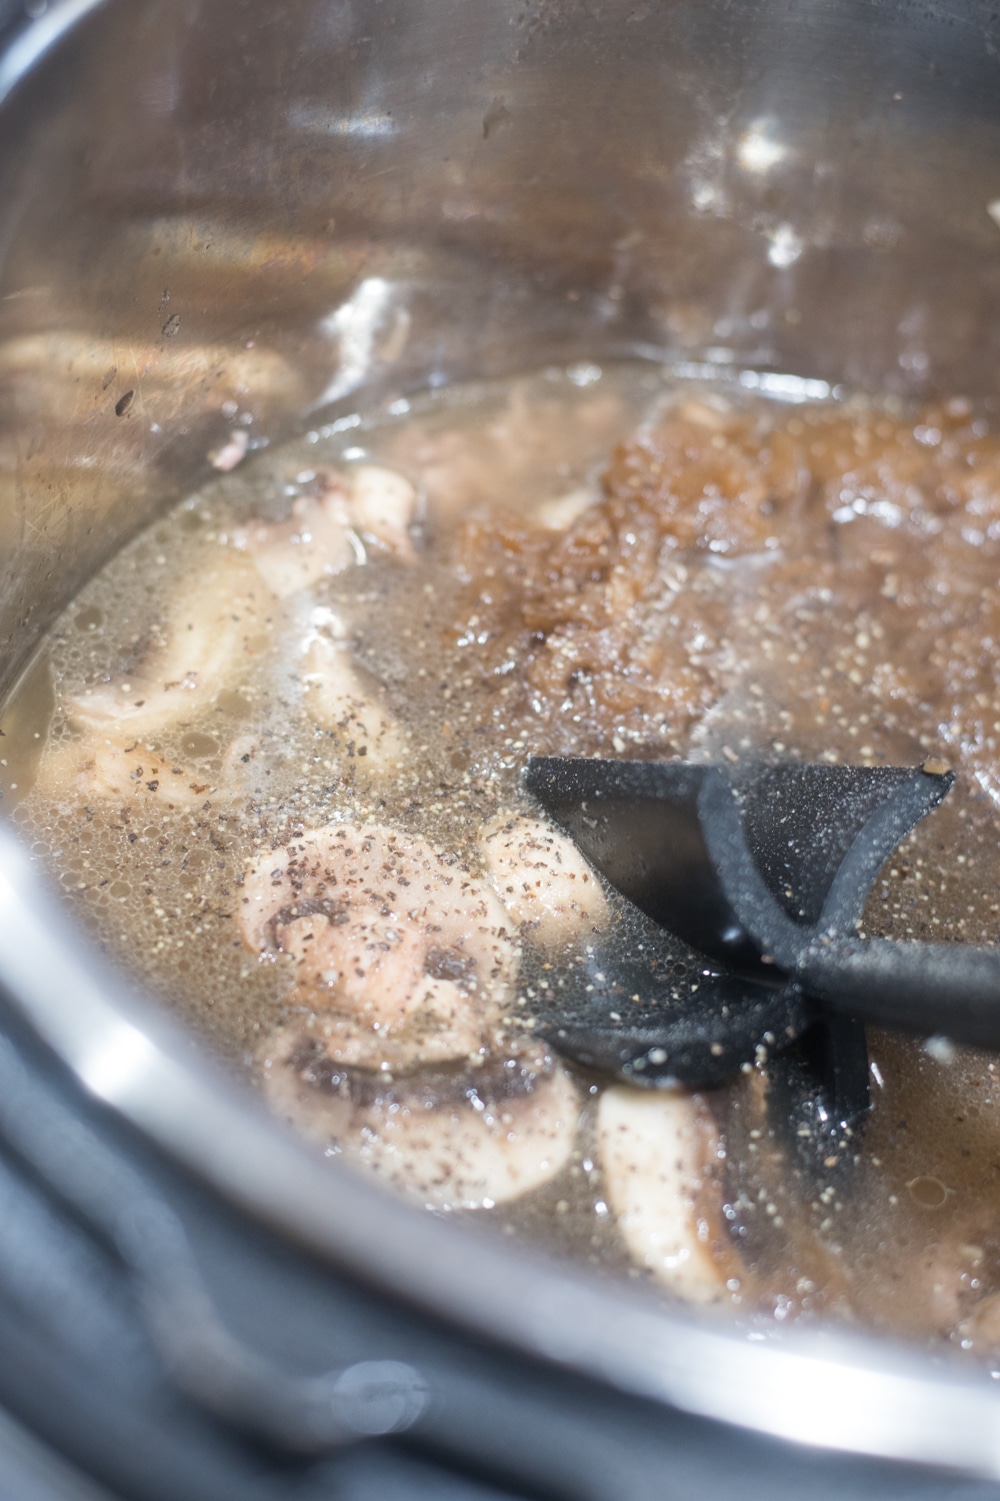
(383, 507)
(466, 1142)
(408, 959)
(313, 543)
(335, 697)
(559, 513)
(659, 1154)
(542, 879)
(206, 642)
(97, 769)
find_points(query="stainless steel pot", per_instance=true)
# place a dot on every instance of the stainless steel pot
(240, 213)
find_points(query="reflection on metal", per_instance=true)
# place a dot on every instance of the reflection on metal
(786, 387)
(786, 246)
(41, 35)
(356, 326)
(117, 1062)
(758, 150)
(320, 120)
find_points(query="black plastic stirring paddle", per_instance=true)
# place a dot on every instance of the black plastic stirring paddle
(764, 870)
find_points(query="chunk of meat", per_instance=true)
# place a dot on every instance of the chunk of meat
(383, 507)
(542, 879)
(205, 645)
(461, 1140)
(327, 531)
(95, 769)
(596, 658)
(518, 457)
(407, 958)
(337, 698)
(731, 545)
(313, 543)
(659, 1153)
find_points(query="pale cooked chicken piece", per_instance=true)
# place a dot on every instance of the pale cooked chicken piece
(315, 542)
(383, 507)
(542, 879)
(659, 1153)
(94, 768)
(405, 957)
(337, 698)
(460, 1140)
(213, 630)
(328, 531)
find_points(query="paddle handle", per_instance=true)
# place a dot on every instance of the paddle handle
(927, 988)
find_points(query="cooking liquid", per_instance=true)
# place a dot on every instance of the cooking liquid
(833, 598)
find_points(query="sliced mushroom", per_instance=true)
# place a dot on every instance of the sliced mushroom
(660, 1158)
(542, 879)
(406, 958)
(468, 1140)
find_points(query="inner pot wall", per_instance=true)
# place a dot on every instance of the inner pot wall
(382, 193)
